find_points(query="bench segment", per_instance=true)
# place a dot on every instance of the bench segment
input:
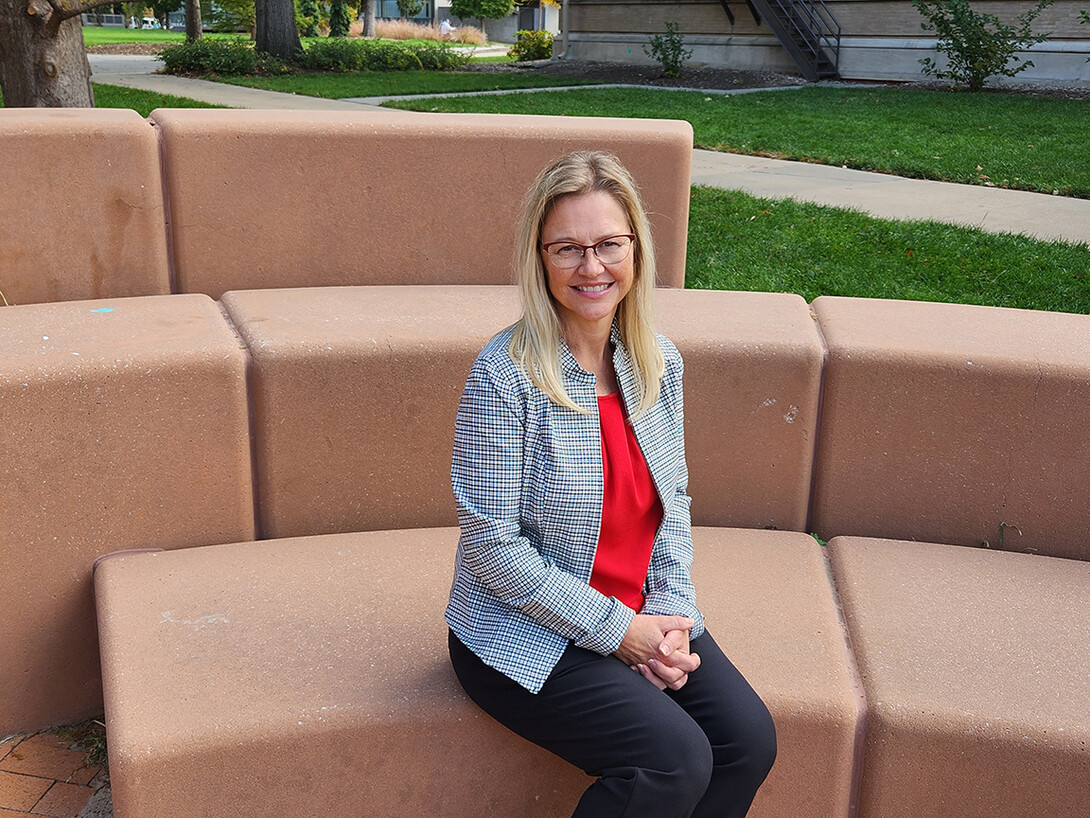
(355, 394)
(753, 364)
(309, 676)
(974, 663)
(81, 215)
(944, 422)
(125, 425)
(267, 199)
(769, 603)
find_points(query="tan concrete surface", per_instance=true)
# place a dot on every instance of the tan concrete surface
(769, 603)
(356, 390)
(943, 422)
(309, 677)
(753, 366)
(265, 200)
(125, 424)
(81, 214)
(299, 678)
(974, 664)
(355, 394)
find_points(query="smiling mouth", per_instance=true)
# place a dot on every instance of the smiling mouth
(594, 288)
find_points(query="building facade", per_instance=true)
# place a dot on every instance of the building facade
(878, 39)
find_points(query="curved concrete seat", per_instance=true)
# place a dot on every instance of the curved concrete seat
(125, 425)
(975, 665)
(309, 676)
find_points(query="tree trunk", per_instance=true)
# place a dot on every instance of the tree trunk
(276, 31)
(193, 20)
(42, 61)
(368, 18)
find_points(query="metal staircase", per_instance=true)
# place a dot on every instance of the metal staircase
(807, 30)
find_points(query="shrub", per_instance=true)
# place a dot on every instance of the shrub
(977, 46)
(307, 17)
(378, 55)
(402, 29)
(1085, 15)
(339, 18)
(669, 49)
(209, 57)
(532, 45)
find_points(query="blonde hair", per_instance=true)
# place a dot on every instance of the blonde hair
(537, 334)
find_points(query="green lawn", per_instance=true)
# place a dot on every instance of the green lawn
(739, 242)
(392, 83)
(989, 138)
(100, 35)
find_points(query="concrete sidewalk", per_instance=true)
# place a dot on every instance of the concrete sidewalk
(893, 197)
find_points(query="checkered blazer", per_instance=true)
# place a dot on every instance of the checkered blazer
(527, 478)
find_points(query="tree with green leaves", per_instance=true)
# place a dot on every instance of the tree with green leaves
(410, 8)
(481, 9)
(340, 21)
(308, 18)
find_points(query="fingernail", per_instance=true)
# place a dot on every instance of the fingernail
(664, 650)
(653, 662)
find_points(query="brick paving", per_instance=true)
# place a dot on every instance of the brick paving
(42, 774)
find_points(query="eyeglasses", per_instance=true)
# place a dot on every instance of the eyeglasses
(567, 254)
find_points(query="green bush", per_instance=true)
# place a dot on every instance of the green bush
(977, 46)
(532, 45)
(340, 21)
(378, 55)
(669, 49)
(306, 17)
(209, 57)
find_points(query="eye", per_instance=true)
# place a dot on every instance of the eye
(609, 244)
(566, 249)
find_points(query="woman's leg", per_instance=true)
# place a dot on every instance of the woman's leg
(739, 729)
(649, 757)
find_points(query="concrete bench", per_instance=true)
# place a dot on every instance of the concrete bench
(308, 676)
(227, 435)
(342, 198)
(125, 425)
(81, 215)
(975, 665)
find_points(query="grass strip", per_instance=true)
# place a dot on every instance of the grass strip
(1005, 140)
(393, 83)
(741, 242)
(143, 102)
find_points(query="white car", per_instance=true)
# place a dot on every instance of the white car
(150, 22)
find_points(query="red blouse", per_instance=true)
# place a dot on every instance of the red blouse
(631, 511)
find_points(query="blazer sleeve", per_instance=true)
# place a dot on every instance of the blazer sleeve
(486, 474)
(670, 588)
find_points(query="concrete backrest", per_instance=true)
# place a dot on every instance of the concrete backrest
(125, 425)
(263, 199)
(356, 388)
(954, 423)
(81, 206)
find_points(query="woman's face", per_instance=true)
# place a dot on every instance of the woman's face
(587, 295)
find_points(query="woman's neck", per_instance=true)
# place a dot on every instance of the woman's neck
(594, 353)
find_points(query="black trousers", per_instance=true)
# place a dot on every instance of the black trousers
(702, 751)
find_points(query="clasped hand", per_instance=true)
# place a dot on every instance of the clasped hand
(657, 647)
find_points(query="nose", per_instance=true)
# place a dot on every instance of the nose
(590, 261)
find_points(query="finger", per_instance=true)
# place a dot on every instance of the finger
(673, 678)
(674, 640)
(646, 672)
(681, 662)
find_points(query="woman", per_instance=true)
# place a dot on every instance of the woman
(572, 614)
